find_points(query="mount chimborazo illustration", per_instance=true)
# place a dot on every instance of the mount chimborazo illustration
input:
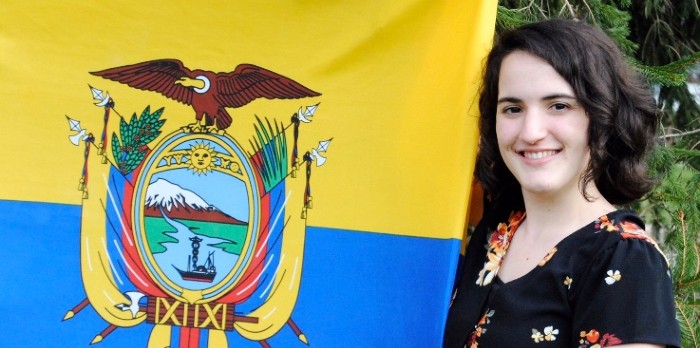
(179, 203)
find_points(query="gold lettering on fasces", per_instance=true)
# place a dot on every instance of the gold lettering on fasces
(188, 315)
(223, 317)
(211, 315)
(169, 312)
(196, 316)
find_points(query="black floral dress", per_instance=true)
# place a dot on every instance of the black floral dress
(604, 285)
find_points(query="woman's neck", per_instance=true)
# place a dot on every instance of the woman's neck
(560, 215)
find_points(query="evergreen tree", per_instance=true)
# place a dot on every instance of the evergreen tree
(661, 38)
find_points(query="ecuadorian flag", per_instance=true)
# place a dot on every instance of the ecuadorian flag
(235, 173)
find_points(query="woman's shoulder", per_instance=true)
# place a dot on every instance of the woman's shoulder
(617, 235)
(618, 267)
(614, 241)
(610, 230)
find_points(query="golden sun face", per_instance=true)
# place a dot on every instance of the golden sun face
(201, 158)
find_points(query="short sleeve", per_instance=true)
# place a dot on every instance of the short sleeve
(625, 296)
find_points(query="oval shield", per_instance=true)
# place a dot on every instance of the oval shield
(196, 215)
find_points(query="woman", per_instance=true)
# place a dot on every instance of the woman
(566, 128)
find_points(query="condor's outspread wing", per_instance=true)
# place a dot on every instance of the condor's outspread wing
(249, 82)
(156, 75)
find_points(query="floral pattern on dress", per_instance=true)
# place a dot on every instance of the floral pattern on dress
(613, 277)
(498, 244)
(604, 223)
(630, 230)
(548, 257)
(592, 339)
(559, 268)
(479, 330)
(549, 335)
(568, 281)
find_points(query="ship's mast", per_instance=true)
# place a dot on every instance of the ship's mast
(210, 262)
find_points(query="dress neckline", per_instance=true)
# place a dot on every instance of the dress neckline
(543, 262)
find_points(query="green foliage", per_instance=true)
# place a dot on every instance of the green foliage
(614, 21)
(135, 136)
(673, 74)
(661, 39)
(269, 157)
(673, 210)
(508, 18)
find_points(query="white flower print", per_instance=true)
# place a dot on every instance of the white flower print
(490, 270)
(568, 282)
(537, 336)
(550, 333)
(613, 276)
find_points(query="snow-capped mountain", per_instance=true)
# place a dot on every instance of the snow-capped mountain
(164, 197)
(167, 195)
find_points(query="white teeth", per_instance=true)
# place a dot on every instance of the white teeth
(538, 155)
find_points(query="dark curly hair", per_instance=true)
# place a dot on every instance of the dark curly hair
(622, 111)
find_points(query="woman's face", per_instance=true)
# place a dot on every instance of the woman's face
(542, 129)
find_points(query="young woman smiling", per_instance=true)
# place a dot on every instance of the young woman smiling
(566, 127)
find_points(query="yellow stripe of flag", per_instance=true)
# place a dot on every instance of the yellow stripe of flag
(397, 82)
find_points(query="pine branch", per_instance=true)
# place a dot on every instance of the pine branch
(677, 135)
(687, 317)
(672, 74)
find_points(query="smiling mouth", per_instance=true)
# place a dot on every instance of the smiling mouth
(538, 154)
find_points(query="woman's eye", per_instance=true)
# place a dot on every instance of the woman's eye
(560, 106)
(511, 109)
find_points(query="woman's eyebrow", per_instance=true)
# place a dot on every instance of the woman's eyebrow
(558, 96)
(515, 100)
(509, 100)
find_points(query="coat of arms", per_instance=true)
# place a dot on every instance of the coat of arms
(188, 230)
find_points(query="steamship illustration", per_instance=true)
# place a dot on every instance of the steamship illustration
(198, 273)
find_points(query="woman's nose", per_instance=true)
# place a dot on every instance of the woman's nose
(534, 127)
